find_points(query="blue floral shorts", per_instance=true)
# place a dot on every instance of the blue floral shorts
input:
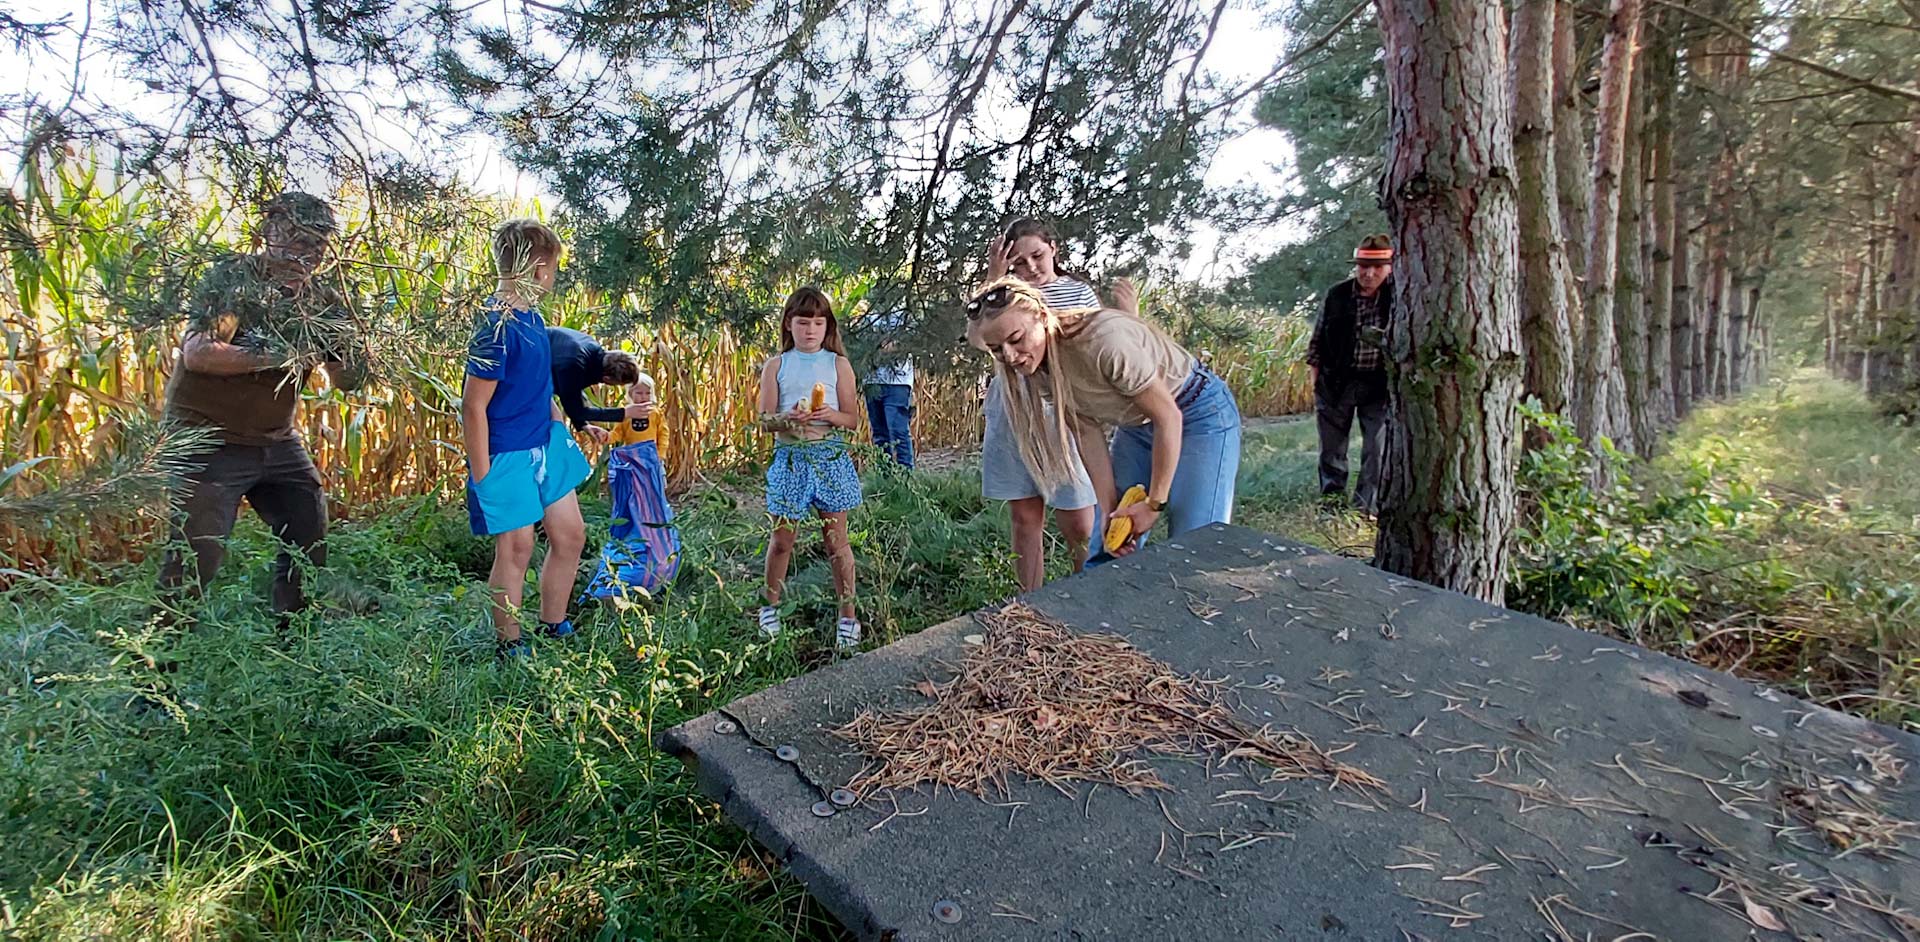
(811, 476)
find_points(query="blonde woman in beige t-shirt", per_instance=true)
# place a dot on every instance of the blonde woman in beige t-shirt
(1176, 427)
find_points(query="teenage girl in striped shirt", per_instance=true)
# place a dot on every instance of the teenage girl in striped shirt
(1029, 250)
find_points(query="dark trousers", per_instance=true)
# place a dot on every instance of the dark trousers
(1337, 399)
(890, 412)
(283, 486)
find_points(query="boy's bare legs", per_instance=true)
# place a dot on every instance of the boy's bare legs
(566, 538)
(833, 528)
(779, 555)
(1029, 547)
(1076, 527)
(507, 582)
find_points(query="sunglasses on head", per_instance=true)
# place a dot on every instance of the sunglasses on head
(993, 300)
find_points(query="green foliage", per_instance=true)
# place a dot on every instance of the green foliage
(1333, 110)
(142, 460)
(371, 771)
(709, 163)
(1614, 553)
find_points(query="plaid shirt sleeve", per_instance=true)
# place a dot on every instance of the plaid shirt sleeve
(1370, 327)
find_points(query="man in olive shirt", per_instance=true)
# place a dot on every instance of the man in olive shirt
(224, 380)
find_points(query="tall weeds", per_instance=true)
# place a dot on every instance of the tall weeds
(99, 266)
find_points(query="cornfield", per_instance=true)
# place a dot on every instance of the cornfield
(97, 268)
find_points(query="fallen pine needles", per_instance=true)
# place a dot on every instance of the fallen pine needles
(1060, 706)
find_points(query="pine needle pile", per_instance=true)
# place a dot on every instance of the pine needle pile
(1847, 812)
(1057, 706)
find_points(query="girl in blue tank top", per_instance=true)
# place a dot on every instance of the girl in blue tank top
(811, 470)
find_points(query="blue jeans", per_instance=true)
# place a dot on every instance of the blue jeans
(890, 412)
(1202, 490)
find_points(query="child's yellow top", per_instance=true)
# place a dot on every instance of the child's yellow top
(635, 431)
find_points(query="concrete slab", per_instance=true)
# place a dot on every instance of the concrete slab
(1543, 780)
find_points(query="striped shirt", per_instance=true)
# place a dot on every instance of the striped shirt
(1068, 294)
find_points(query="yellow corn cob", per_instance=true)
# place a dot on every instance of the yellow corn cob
(1120, 528)
(819, 396)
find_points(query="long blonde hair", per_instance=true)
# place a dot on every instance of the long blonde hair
(1046, 441)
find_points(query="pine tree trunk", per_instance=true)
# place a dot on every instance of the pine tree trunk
(1707, 316)
(1630, 312)
(1455, 344)
(1874, 375)
(1847, 320)
(1546, 281)
(1737, 317)
(1717, 288)
(1660, 289)
(1603, 389)
(1683, 307)
(1573, 175)
(1903, 279)
(1828, 333)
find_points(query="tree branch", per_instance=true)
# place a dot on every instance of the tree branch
(1313, 46)
(960, 110)
(1864, 84)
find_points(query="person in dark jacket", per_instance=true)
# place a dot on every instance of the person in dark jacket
(579, 362)
(1348, 357)
(225, 380)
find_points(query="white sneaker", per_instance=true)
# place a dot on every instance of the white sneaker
(769, 621)
(846, 635)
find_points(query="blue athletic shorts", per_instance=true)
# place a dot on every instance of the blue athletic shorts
(808, 476)
(521, 485)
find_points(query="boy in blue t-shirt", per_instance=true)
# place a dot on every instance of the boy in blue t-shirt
(522, 461)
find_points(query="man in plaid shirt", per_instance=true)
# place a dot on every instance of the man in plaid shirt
(1348, 357)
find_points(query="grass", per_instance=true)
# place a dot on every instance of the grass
(1814, 586)
(372, 773)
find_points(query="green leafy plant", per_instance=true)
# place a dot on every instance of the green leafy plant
(1612, 552)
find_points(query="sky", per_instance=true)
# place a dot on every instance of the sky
(1243, 48)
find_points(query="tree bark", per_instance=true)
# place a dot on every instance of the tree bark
(1455, 342)
(1736, 313)
(1683, 305)
(1661, 288)
(1847, 349)
(1573, 176)
(1603, 390)
(1705, 311)
(1630, 312)
(1874, 375)
(1903, 280)
(1546, 281)
(1716, 331)
(1719, 233)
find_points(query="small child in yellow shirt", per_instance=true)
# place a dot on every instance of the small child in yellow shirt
(634, 431)
(642, 551)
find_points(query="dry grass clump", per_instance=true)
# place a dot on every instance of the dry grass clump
(1847, 811)
(1057, 706)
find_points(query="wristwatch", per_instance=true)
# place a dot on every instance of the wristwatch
(1157, 506)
